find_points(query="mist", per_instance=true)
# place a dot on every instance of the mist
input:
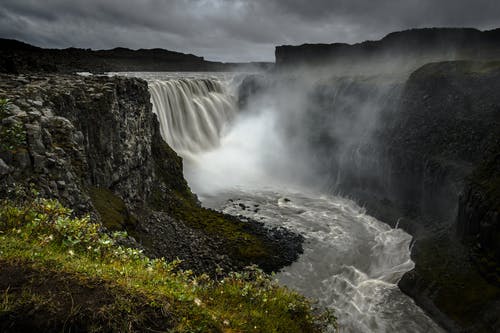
(299, 130)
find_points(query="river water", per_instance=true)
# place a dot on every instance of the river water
(351, 262)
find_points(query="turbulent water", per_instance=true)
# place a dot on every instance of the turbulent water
(351, 262)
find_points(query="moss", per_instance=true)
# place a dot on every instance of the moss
(447, 68)
(12, 138)
(112, 210)
(246, 245)
(182, 204)
(61, 273)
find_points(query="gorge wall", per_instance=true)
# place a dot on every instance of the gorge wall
(415, 142)
(95, 144)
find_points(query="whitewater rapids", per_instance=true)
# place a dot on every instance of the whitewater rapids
(351, 263)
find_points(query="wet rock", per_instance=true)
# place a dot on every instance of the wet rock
(34, 136)
(4, 168)
(21, 159)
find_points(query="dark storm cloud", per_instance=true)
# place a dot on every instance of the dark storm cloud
(229, 30)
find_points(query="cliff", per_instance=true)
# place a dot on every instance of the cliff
(94, 144)
(478, 222)
(95, 214)
(430, 135)
(420, 152)
(411, 48)
(448, 125)
(18, 57)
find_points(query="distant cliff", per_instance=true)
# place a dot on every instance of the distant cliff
(18, 57)
(429, 163)
(411, 47)
(419, 151)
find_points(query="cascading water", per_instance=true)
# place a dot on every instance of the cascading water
(192, 112)
(351, 262)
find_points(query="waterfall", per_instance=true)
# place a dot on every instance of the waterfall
(192, 113)
(351, 261)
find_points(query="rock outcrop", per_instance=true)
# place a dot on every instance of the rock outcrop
(94, 144)
(478, 220)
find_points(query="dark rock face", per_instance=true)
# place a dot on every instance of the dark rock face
(406, 148)
(18, 57)
(478, 221)
(413, 47)
(445, 122)
(428, 141)
(94, 144)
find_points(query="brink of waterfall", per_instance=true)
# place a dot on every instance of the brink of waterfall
(192, 113)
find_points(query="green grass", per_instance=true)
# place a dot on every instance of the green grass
(125, 290)
(112, 210)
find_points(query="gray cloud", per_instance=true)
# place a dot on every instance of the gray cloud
(229, 30)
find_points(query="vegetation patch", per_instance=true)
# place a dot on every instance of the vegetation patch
(447, 68)
(183, 205)
(61, 273)
(114, 214)
(13, 134)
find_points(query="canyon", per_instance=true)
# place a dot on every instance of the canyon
(407, 127)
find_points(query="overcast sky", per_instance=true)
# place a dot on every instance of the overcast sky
(229, 30)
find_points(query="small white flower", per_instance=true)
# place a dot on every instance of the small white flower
(71, 253)
(197, 301)
(226, 322)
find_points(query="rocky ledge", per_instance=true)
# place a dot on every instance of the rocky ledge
(94, 144)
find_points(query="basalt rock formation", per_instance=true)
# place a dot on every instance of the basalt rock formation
(94, 144)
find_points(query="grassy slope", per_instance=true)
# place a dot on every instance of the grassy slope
(63, 273)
